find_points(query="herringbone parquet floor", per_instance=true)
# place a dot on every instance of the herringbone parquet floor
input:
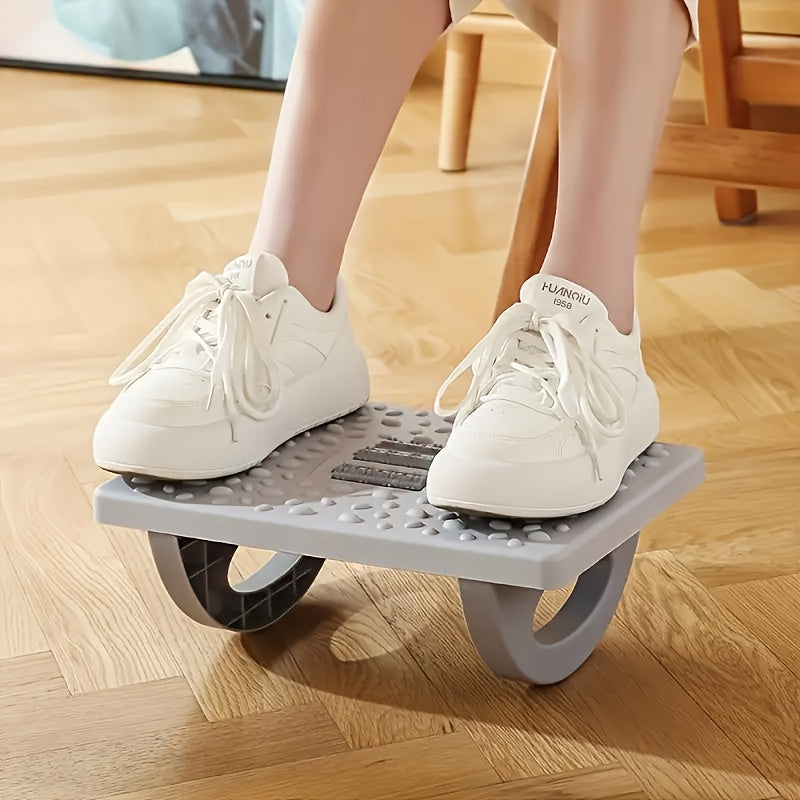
(113, 194)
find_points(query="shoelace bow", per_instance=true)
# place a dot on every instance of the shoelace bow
(567, 379)
(231, 352)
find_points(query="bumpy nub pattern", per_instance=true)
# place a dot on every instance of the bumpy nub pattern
(297, 480)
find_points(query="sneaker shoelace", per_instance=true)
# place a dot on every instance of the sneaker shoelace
(544, 355)
(218, 317)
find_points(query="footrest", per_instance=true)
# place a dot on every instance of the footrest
(353, 491)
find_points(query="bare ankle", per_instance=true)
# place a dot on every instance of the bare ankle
(314, 277)
(318, 294)
(621, 318)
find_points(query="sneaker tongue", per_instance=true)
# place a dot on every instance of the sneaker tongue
(259, 274)
(550, 295)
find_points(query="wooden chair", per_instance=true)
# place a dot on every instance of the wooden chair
(461, 72)
(737, 70)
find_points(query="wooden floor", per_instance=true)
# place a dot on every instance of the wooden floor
(113, 194)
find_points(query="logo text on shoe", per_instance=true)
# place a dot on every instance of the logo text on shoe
(563, 294)
(239, 265)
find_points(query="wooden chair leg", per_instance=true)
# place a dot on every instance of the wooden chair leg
(533, 226)
(721, 28)
(462, 67)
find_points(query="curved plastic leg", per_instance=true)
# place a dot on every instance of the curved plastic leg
(500, 621)
(195, 573)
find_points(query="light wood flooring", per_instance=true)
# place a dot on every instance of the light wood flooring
(112, 195)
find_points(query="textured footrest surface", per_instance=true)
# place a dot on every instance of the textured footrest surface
(354, 491)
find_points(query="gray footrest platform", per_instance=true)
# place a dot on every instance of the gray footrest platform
(354, 491)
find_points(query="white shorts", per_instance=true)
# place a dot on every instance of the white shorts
(537, 16)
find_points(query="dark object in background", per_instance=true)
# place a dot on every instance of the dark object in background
(240, 42)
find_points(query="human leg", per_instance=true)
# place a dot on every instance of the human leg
(354, 64)
(249, 358)
(618, 64)
(560, 402)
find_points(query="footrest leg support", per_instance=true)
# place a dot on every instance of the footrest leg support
(500, 621)
(354, 490)
(195, 573)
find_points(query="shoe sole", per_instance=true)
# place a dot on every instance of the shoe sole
(338, 387)
(117, 468)
(638, 446)
(635, 441)
(525, 512)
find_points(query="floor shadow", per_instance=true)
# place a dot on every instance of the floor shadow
(587, 708)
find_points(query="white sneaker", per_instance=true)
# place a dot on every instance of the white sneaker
(559, 406)
(241, 364)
